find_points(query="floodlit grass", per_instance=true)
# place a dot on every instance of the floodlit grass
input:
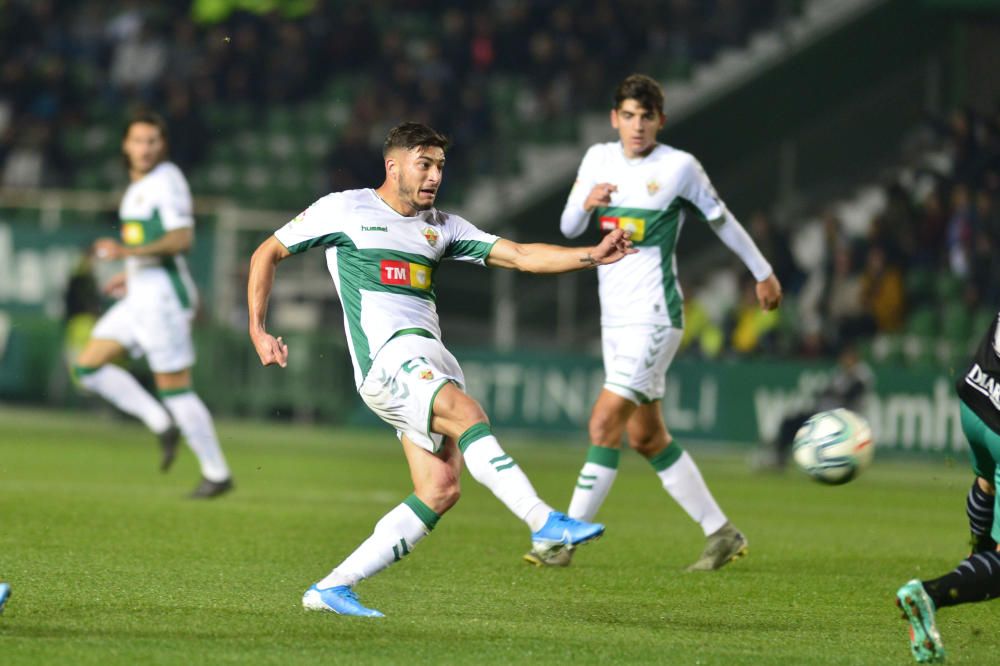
(110, 564)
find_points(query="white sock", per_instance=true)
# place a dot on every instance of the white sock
(195, 422)
(594, 482)
(683, 481)
(123, 391)
(394, 537)
(496, 470)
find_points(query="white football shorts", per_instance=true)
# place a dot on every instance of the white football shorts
(404, 379)
(159, 330)
(636, 359)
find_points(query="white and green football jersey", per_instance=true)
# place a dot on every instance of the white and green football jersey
(655, 195)
(383, 264)
(157, 203)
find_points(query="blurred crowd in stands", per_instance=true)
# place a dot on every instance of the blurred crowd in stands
(926, 262)
(67, 64)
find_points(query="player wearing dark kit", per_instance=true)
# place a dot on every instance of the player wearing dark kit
(977, 577)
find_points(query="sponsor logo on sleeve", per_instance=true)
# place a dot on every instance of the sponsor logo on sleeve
(635, 225)
(405, 274)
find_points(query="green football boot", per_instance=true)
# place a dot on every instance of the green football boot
(918, 609)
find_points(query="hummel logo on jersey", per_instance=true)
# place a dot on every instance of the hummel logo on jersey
(133, 233)
(365, 227)
(635, 225)
(431, 235)
(405, 273)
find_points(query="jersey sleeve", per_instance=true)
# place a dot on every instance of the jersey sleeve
(697, 190)
(318, 225)
(574, 218)
(174, 200)
(466, 242)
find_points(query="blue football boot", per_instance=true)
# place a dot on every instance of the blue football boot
(561, 532)
(340, 600)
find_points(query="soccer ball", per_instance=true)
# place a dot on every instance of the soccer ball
(834, 447)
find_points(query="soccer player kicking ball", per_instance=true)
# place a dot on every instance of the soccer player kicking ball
(383, 248)
(977, 577)
(649, 189)
(154, 316)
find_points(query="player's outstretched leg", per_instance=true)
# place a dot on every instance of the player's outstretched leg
(918, 609)
(5, 593)
(195, 421)
(123, 391)
(551, 530)
(394, 537)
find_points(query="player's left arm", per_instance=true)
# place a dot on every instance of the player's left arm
(736, 238)
(172, 198)
(697, 189)
(171, 243)
(544, 258)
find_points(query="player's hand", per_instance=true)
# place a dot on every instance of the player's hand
(108, 249)
(769, 293)
(599, 196)
(116, 287)
(271, 350)
(613, 246)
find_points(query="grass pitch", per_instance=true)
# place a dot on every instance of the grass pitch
(110, 564)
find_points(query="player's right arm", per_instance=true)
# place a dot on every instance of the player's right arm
(586, 195)
(316, 226)
(263, 265)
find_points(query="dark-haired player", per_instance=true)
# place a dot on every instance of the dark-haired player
(153, 317)
(383, 248)
(977, 577)
(649, 189)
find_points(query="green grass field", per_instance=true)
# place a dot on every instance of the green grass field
(110, 564)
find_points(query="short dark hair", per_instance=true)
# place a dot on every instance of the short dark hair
(146, 117)
(410, 135)
(643, 89)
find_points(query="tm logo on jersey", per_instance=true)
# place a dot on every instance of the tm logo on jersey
(635, 225)
(405, 273)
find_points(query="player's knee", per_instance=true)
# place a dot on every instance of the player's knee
(605, 429)
(445, 494)
(649, 443)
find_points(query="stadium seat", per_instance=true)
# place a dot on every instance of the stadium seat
(918, 283)
(956, 323)
(947, 287)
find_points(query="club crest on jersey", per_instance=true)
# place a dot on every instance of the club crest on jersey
(405, 273)
(133, 233)
(431, 235)
(426, 374)
(636, 226)
(652, 187)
